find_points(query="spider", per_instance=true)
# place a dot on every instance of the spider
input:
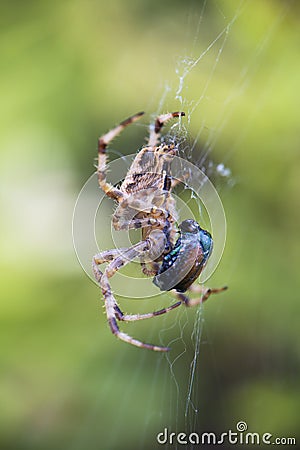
(144, 200)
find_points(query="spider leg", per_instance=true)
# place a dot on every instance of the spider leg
(183, 299)
(116, 256)
(134, 317)
(176, 181)
(103, 142)
(205, 294)
(136, 223)
(158, 124)
(150, 268)
(103, 257)
(156, 217)
(113, 311)
(108, 255)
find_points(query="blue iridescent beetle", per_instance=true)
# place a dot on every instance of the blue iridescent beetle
(184, 263)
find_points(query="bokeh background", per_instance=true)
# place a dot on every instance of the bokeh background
(71, 70)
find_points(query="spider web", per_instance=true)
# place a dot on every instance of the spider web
(182, 397)
(185, 401)
(186, 331)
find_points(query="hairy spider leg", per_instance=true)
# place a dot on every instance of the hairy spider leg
(119, 258)
(205, 294)
(103, 142)
(183, 179)
(158, 124)
(136, 223)
(113, 311)
(112, 255)
(103, 257)
(158, 219)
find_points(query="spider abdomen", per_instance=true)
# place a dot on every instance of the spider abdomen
(184, 263)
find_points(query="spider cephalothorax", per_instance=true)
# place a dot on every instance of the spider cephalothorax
(145, 201)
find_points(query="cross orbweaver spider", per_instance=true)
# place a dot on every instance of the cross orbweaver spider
(145, 201)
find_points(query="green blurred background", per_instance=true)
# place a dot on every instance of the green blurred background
(70, 71)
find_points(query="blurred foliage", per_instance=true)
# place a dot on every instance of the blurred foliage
(71, 70)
